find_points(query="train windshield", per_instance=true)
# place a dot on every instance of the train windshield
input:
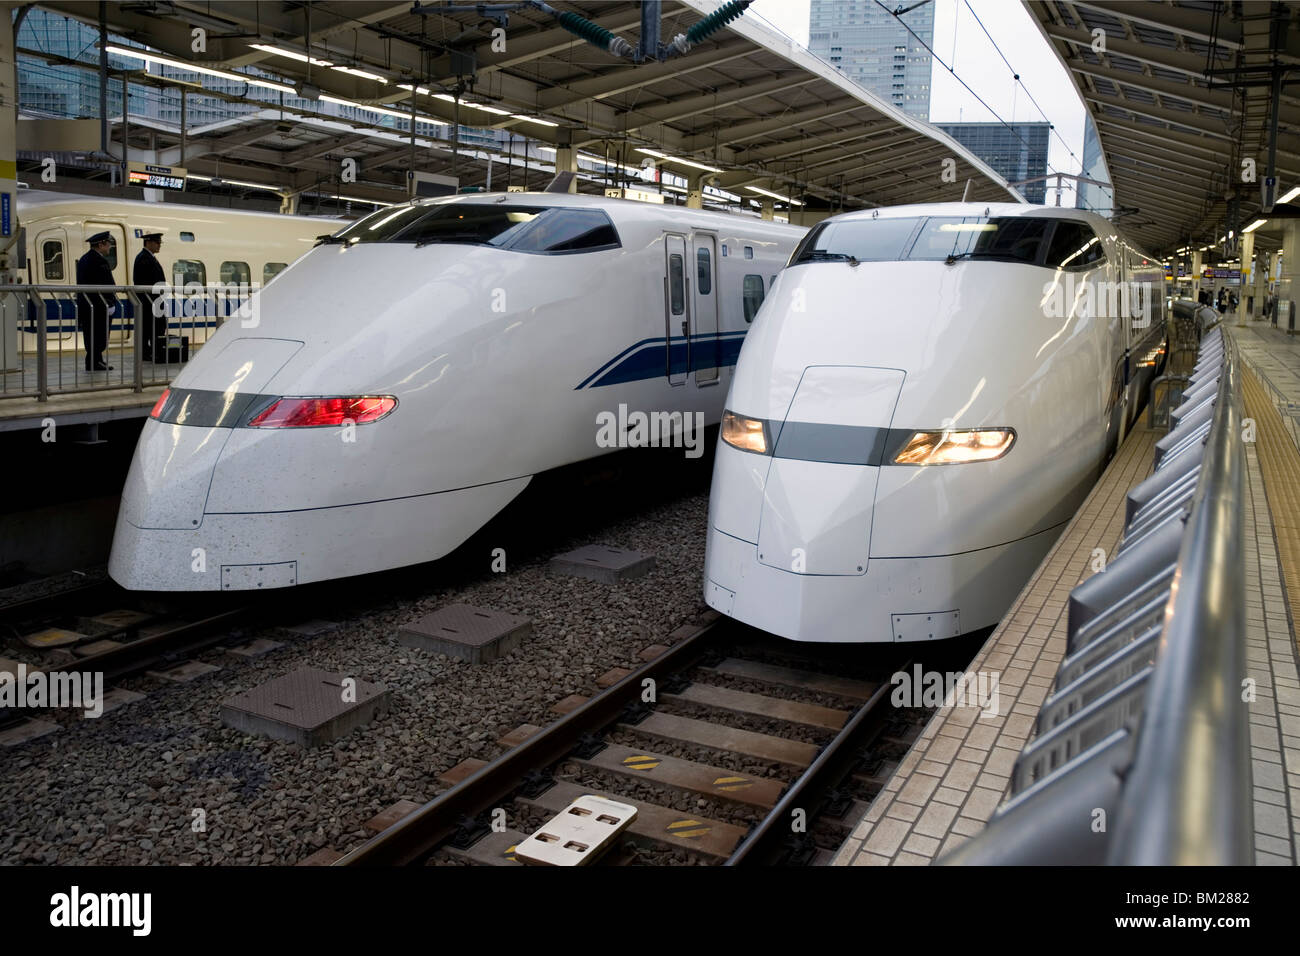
(1001, 238)
(538, 229)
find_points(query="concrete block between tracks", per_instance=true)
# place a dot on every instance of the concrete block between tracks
(307, 707)
(473, 634)
(604, 563)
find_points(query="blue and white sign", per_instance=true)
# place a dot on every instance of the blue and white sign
(6, 214)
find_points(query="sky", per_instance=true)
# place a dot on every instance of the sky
(961, 44)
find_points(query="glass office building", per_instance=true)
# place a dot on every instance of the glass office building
(1015, 151)
(871, 46)
(1098, 199)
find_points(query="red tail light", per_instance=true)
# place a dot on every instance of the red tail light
(318, 412)
(158, 405)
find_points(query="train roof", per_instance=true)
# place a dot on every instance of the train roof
(622, 211)
(40, 198)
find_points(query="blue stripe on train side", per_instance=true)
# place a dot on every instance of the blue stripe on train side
(647, 359)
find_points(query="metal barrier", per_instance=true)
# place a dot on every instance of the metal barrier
(1142, 750)
(1189, 320)
(45, 351)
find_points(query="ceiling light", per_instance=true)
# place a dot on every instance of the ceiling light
(194, 68)
(361, 73)
(1254, 225)
(682, 162)
(291, 54)
(1291, 195)
(533, 119)
(765, 192)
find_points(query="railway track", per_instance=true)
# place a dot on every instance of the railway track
(101, 628)
(829, 762)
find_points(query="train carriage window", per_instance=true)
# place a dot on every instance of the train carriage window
(553, 230)
(1074, 246)
(749, 252)
(676, 284)
(187, 237)
(52, 259)
(752, 295)
(1005, 238)
(187, 271)
(271, 270)
(704, 271)
(236, 273)
(111, 255)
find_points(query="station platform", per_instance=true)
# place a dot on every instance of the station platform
(958, 772)
(78, 397)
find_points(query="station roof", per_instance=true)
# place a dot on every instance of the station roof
(746, 100)
(1174, 138)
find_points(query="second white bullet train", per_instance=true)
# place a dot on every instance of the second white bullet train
(403, 381)
(922, 404)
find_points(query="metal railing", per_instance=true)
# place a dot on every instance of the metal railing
(44, 330)
(1142, 750)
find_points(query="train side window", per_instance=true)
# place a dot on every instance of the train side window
(271, 270)
(187, 237)
(236, 273)
(704, 271)
(52, 259)
(749, 252)
(565, 230)
(111, 255)
(189, 271)
(752, 295)
(676, 284)
(1074, 246)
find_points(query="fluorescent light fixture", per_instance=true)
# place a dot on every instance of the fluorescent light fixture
(361, 73)
(765, 192)
(681, 162)
(291, 54)
(1254, 225)
(223, 181)
(1204, 249)
(374, 109)
(533, 119)
(422, 90)
(1291, 195)
(194, 68)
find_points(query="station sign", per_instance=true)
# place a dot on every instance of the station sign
(153, 176)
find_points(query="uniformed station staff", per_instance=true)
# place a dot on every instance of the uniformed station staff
(149, 271)
(92, 309)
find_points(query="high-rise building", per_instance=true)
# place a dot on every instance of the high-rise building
(871, 46)
(1098, 199)
(1015, 151)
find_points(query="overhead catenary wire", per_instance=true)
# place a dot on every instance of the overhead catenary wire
(981, 100)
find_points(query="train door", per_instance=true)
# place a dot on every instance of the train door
(54, 263)
(704, 341)
(119, 329)
(677, 322)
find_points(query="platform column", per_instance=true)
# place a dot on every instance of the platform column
(695, 191)
(1286, 289)
(566, 158)
(768, 210)
(1247, 275)
(9, 250)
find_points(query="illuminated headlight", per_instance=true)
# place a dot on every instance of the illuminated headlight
(747, 434)
(956, 447)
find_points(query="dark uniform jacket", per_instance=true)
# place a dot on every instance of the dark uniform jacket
(148, 271)
(93, 269)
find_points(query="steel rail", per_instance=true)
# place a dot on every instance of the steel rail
(419, 833)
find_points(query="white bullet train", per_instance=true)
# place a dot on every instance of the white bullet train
(201, 245)
(922, 404)
(409, 376)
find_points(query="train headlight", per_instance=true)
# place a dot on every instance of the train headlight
(956, 447)
(747, 434)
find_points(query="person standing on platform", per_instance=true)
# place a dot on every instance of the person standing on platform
(148, 271)
(92, 309)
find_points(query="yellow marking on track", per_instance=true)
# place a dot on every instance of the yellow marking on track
(641, 762)
(688, 828)
(731, 784)
(510, 852)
